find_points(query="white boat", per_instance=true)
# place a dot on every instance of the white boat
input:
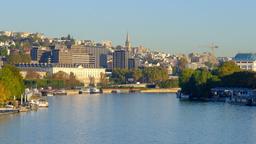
(90, 90)
(40, 102)
(49, 94)
(182, 96)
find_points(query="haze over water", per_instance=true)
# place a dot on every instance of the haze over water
(130, 119)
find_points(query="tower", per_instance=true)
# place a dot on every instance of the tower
(128, 43)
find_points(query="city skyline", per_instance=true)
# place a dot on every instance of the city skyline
(168, 26)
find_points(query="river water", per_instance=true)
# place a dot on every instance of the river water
(130, 119)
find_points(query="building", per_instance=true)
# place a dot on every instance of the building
(82, 74)
(104, 61)
(133, 63)
(246, 61)
(82, 56)
(40, 55)
(94, 51)
(75, 55)
(120, 59)
(62, 56)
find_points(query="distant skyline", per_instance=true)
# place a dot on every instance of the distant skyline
(173, 26)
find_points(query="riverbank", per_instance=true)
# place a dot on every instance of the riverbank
(141, 90)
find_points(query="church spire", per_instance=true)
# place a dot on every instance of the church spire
(128, 43)
(127, 38)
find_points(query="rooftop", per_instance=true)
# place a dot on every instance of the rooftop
(245, 57)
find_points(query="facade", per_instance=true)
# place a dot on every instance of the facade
(120, 59)
(104, 61)
(81, 56)
(94, 51)
(246, 61)
(75, 55)
(133, 63)
(82, 74)
(41, 55)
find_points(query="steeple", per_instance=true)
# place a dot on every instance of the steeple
(128, 43)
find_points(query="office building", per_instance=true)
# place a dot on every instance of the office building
(133, 63)
(120, 59)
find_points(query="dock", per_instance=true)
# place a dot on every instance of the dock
(8, 111)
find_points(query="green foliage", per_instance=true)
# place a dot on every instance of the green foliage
(155, 74)
(17, 58)
(182, 62)
(3, 52)
(199, 82)
(11, 82)
(246, 79)
(184, 79)
(103, 81)
(119, 76)
(172, 83)
(227, 68)
(58, 80)
(149, 75)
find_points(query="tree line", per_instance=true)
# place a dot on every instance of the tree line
(57, 80)
(198, 83)
(153, 75)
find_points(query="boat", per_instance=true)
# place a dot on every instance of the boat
(90, 90)
(182, 96)
(40, 102)
(49, 94)
(59, 92)
(8, 111)
(120, 91)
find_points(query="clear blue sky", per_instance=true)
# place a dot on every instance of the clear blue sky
(175, 26)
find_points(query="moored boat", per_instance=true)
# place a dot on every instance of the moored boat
(40, 102)
(90, 90)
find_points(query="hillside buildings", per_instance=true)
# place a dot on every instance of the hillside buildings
(246, 61)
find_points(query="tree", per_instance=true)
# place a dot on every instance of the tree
(227, 68)
(16, 58)
(32, 75)
(3, 52)
(172, 83)
(103, 80)
(60, 76)
(12, 80)
(4, 92)
(119, 76)
(137, 74)
(155, 74)
(182, 63)
(244, 79)
(198, 83)
(92, 81)
(184, 79)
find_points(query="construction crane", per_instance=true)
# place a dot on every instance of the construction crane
(213, 46)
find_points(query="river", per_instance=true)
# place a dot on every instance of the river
(130, 119)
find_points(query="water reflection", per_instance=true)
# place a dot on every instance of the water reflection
(137, 118)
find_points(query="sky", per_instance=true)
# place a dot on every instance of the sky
(173, 26)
